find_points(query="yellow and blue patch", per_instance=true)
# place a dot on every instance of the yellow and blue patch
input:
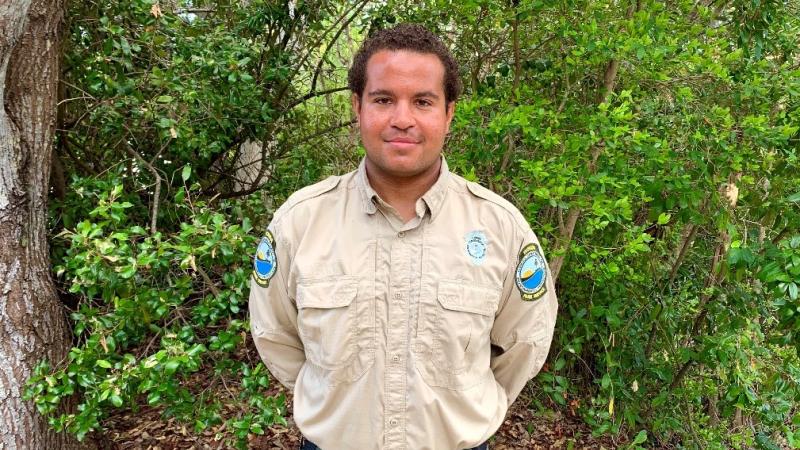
(265, 262)
(531, 273)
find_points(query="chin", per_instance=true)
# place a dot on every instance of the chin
(400, 162)
(402, 170)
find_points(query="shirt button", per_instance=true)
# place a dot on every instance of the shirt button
(398, 295)
(401, 234)
(396, 358)
(393, 422)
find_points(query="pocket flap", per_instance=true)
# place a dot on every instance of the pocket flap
(461, 296)
(326, 293)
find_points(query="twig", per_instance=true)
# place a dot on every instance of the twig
(67, 100)
(609, 82)
(156, 190)
(288, 82)
(311, 95)
(208, 281)
(330, 45)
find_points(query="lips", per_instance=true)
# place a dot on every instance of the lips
(402, 142)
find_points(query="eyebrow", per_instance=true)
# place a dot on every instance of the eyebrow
(380, 92)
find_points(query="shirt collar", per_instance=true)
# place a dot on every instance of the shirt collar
(433, 198)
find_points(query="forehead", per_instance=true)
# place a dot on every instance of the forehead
(403, 70)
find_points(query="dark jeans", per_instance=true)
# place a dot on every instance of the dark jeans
(305, 444)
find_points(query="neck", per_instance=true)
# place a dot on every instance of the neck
(402, 193)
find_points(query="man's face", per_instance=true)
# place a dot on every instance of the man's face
(402, 113)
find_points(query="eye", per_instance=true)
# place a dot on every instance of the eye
(424, 102)
(383, 100)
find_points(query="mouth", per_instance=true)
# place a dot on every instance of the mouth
(402, 142)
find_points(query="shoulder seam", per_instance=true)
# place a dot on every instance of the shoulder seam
(476, 190)
(307, 193)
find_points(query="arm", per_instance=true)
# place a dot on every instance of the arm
(524, 323)
(273, 314)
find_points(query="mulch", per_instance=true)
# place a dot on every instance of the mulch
(147, 429)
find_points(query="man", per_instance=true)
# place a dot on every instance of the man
(405, 306)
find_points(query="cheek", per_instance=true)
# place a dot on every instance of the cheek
(370, 124)
(437, 131)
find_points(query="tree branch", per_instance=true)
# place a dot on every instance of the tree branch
(609, 82)
(288, 82)
(511, 145)
(311, 95)
(330, 45)
(156, 190)
(256, 184)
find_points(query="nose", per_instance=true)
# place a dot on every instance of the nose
(402, 118)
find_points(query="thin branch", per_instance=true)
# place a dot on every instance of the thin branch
(330, 45)
(67, 100)
(324, 131)
(687, 242)
(511, 145)
(208, 281)
(194, 10)
(609, 82)
(311, 95)
(780, 235)
(256, 184)
(66, 146)
(290, 78)
(156, 190)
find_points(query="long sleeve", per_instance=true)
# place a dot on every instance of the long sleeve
(524, 323)
(273, 313)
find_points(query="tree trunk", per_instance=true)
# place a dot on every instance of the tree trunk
(33, 325)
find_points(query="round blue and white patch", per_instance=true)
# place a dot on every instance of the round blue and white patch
(265, 263)
(531, 273)
(476, 246)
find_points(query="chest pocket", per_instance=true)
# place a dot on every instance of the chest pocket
(336, 327)
(453, 346)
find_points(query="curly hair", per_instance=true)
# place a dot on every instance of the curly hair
(405, 36)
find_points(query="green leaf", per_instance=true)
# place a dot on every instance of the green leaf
(171, 366)
(640, 438)
(103, 363)
(153, 398)
(794, 198)
(116, 400)
(764, 442)
(663, 218)
(164, 99)
(187, 172)
(606, 381)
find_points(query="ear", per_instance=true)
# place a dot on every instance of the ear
(450, 111)
(355, 102)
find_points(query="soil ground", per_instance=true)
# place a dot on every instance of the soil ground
(522, 429)
(147, 429)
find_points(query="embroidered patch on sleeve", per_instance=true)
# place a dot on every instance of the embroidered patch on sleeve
(475, 244)
(265, 263)
(531, 272)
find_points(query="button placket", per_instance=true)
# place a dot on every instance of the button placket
(397, 343)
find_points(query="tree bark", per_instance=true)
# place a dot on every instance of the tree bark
(33, 325)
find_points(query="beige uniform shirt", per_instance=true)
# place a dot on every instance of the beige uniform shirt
(395, 335)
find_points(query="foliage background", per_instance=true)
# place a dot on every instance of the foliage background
(653, 146)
